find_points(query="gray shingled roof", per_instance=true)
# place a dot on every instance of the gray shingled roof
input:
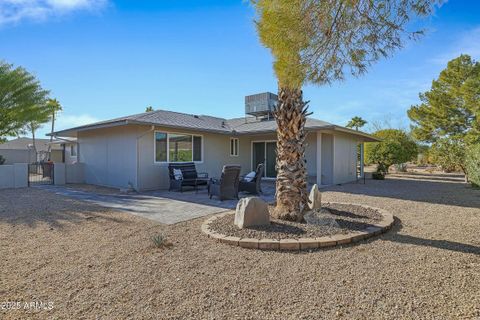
(252, 125)
(171, 119)
(23, 143)
(198, 122)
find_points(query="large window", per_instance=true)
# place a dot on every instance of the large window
(234, 147)
(177, 147)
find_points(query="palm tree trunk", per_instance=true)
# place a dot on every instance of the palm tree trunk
(51, 136)
(34, 142)
(291, 185)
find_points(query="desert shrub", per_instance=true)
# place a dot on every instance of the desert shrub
(472, 163)
(396, 147)
(159, 240)
(449, 154)
(2, 160)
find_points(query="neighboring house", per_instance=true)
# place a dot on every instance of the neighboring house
(20, 150)
(135, 150)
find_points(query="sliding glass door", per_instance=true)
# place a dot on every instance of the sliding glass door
(265, 152)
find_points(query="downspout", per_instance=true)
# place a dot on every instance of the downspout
(152, 128)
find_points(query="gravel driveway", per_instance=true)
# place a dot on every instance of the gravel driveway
(92, 262)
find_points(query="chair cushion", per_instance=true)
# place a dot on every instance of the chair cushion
(249, 177)
(177, 173)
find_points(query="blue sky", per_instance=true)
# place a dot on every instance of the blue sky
(108, 58)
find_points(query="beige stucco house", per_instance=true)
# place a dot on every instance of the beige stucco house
(134, 151)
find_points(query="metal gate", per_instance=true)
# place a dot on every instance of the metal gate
(40, 173)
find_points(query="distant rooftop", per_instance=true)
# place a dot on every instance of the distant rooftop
(24, 143)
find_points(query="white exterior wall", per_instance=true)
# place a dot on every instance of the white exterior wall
(345, 157)
(110, 156)
(326, 170)
(75, 173)
(14, 176)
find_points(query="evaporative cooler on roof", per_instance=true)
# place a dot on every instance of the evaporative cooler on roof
(261, 104)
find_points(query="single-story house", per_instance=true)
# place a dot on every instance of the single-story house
(134, 151)
(21, 150)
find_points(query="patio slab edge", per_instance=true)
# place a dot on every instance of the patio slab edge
(303, 243)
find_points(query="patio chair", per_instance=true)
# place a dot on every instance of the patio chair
(190, 177)
(254, 186)
(227, 186)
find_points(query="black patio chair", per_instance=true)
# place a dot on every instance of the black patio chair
(227, 186)
(190, 177)
(254, 186)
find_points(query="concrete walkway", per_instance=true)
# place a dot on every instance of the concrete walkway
(162, 206)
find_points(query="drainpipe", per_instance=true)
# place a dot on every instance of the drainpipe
(152, 128)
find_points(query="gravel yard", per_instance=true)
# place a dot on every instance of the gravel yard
(91, 262)
(348, 217)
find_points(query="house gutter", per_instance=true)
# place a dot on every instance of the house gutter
(152, 128)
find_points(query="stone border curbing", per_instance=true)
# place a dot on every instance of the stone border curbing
(302, 243)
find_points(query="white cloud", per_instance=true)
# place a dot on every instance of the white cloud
(14, 11)
(467, 43)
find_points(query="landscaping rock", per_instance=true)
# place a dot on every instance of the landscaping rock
(315, 198)
(251, 211)
(321, 218)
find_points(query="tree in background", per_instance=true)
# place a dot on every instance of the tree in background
(449, 115)
(396, 147)
(449, 154)
(356, 122)
(53, 106)
(149, 109)
(472, 163)
(315, 41)
(20, 96)
(42, 116)
(424, 154)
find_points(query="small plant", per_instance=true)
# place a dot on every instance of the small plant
(159, 240)
(380, 173)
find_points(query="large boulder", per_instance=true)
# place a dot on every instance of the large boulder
(315, 198)
(251, 211)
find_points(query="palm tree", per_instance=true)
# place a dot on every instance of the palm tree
(33, 127)
(54, 106)
(356, 122)
(317, 41)
(41, 115)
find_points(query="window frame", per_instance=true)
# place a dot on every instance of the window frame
(73, 147)
(236, 147)
(168, 133)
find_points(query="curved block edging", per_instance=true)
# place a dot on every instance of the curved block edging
(303, 243)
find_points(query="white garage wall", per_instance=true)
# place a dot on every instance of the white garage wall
(345, 155)
(110, 156)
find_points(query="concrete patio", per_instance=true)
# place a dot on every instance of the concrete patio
(163, 206)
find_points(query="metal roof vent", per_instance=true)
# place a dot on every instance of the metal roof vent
(261, 104)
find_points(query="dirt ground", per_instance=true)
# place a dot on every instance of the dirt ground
(65, 259)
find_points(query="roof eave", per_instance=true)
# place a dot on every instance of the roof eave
(366, 137)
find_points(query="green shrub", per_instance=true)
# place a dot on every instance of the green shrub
(2, 160)
(472, 162)
(378, 176)
(396, 147)
(159, 240)
(449, 154)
